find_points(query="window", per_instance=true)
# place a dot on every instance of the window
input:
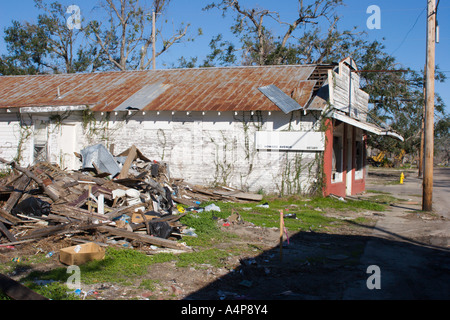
(359, 174)
(337, 166)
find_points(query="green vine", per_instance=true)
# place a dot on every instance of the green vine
(223, 168)
(25, 132)
(101, 129)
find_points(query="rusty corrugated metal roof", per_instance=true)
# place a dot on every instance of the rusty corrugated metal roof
(200, 89)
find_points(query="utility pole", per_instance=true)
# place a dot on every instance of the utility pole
(429, 108)
(154, 39)
(422, 128)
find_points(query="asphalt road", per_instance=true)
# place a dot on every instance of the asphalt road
(441, 192)
(410, 248)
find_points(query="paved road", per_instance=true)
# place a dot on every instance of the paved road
(441, 191)
(411, 248)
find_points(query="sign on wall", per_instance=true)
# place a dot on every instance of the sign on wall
(290, 140)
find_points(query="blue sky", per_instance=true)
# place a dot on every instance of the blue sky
(403, 26)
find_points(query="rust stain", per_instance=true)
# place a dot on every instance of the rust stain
(202, 89)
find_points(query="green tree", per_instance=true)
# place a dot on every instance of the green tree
(49, 46)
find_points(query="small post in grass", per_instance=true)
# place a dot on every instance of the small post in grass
(281, 234)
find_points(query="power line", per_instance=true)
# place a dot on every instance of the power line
(407, 34)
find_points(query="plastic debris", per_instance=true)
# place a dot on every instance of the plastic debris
(212, 207)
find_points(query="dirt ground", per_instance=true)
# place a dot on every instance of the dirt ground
(414, 261)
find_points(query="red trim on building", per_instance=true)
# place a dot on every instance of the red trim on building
(339, 188)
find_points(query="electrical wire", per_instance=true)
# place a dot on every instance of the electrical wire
(409, 31)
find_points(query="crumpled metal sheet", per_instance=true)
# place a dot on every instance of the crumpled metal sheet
(102, 159)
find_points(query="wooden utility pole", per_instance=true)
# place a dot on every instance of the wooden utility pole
(154, 39)
(429, 109)
(422, 128)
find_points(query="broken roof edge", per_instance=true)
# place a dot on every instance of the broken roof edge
(366, 126)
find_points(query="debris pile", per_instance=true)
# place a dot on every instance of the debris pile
(111, 200)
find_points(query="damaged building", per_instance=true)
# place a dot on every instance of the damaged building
(272, 129)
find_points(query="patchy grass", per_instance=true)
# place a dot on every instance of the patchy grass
(376, 191)
(309, 214)
(128, 267)
(385, 199)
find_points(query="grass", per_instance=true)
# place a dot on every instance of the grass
(309, 213)
(385, 199)
(128, 267)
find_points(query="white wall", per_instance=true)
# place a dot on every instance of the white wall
(202, 148)
(220, 148)
(13, 133)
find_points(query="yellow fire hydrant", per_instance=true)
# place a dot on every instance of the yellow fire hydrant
(402, 177)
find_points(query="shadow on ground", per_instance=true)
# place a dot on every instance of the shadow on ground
(318, 266)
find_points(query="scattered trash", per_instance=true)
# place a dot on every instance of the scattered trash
(124, 197)
(212, 207)
(160, 229)
(337, 197)
(80, 254)
(32, 207)
(189, 232)
(265, 205)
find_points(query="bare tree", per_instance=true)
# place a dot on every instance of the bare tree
(126, 40)
(259, 44)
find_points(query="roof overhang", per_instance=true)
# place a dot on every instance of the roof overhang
(369, 127)
(47, 109)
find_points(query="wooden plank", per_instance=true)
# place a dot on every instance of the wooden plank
(31, 175)
(45, 232)
(132, 153)
(9, 216)
(6, 232)
(19, 189)
(143, 238)
(240, 195)
(77, 213)
(17, 291)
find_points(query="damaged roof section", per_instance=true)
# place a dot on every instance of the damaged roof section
(198, 89)
(285, 102)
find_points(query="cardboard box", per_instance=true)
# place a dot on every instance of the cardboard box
(80, 254)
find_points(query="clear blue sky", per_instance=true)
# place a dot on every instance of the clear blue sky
(404, 39)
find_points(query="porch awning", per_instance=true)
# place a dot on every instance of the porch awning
(365, 125)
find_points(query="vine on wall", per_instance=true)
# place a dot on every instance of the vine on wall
(25, 132)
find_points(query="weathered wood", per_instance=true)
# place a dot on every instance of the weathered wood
(132, 154)
(6, 232)
(143, 238)
(31, 175)
(45, 232)
(120, 211)
(77, 213)
(17, 291)
(19, 189)
(81, 200)
(186, 202)
(9, 216)
(240, 195)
